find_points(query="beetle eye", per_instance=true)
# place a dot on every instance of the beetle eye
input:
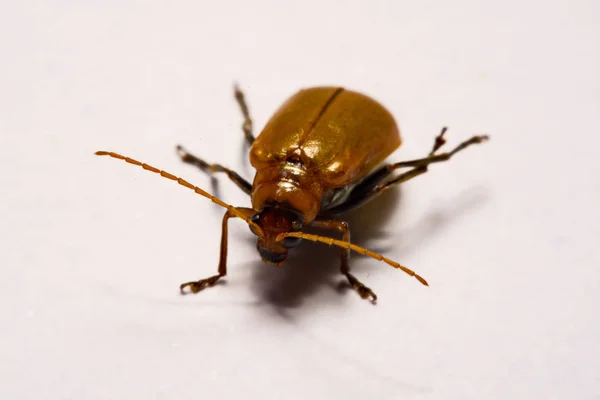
(291, 241)
(253, 218)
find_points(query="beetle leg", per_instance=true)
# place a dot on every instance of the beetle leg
(375, 183)
(342, 227)
(247, 126)
(372, 187)
(196, 286)
(440, 140)
(212, 168)
(434, 158)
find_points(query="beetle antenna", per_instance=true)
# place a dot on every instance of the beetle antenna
(348, 245)
(185, 183)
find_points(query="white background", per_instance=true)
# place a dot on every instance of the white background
(93, 250)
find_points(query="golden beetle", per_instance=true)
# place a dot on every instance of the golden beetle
(318, 157)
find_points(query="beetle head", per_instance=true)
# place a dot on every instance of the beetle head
(274, 220)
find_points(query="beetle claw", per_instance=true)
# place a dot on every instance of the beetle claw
(367, 293)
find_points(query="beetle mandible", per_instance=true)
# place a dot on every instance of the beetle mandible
(319, 156)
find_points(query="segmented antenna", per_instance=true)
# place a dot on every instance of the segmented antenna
(348, 245)
(185, 183)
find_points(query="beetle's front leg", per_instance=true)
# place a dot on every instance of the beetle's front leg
(197, 286)
(342, 227)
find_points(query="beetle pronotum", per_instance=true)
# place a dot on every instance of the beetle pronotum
(318, 157)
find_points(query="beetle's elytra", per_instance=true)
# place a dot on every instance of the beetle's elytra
(319, 156)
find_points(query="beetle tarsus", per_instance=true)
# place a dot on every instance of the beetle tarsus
(363, 291)
(197, 286)
(189, 158)
(467, 143)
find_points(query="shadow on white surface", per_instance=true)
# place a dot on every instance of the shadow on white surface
(313, 265)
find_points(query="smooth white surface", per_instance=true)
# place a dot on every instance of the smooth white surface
(93, 250)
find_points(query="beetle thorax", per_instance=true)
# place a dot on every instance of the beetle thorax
(288, 184)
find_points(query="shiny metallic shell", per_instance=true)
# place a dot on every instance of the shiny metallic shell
(336, 134)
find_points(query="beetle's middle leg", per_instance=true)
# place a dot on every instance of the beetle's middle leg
(342, 227)
(212, 168)
(378, 181)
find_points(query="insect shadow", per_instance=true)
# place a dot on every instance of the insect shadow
(314, 265)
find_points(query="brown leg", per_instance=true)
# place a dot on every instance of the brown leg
(197, 286)
(342, 227)
(421, 165)
(377, 182)
(247, 126)
(212, 168)
(433, 158)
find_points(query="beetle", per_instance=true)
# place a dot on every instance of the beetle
(319, 156)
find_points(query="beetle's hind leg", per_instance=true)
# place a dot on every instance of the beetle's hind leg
(342, 227)
(212, 168)
(435, 158)
(247, 125)
(439, 141)
(379, 181)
